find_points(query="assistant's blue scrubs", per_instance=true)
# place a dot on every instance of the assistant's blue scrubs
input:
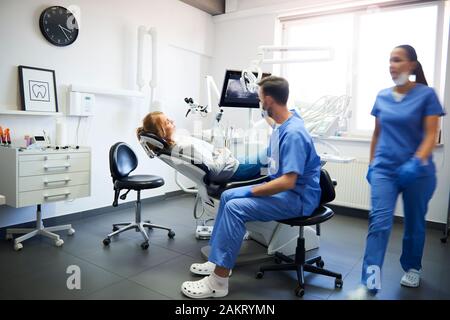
(402, 131)
(291, 150)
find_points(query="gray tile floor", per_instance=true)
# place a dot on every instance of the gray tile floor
(125, 271)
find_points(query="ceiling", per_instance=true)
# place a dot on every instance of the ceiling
(213, 7)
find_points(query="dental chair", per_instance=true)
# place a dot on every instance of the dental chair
(268, 237)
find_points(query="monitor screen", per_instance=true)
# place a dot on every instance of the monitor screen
(235, 95)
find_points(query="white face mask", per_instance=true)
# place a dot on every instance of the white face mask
(264, 113)
(402, 79)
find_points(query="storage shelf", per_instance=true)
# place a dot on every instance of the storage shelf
(107, 91)
(30, 113)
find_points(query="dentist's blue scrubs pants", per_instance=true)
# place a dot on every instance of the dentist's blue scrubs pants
(291, 150)
(229, 227)
(401, 133)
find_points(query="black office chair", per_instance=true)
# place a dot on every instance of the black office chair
(321, 214)
(122, 161)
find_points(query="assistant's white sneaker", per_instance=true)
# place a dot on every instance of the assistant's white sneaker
(361, 293)
(411, 278)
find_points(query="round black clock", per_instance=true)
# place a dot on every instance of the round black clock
(59, 26)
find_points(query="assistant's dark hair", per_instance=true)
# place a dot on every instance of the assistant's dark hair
(412, 56)
(276, 87)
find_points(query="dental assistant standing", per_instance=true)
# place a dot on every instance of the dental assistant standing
(406, 129)
(293, 191)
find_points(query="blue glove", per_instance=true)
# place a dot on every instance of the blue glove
(369, 174)
(409, 171)
(242, 193)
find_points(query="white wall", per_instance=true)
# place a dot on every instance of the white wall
(104, 55)
(239, 33)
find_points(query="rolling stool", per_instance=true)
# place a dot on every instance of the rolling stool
(299, 264)
(122, 161)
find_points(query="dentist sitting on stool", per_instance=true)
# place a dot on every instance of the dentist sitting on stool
(293, 191)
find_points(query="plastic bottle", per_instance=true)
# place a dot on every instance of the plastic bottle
(61, 133)
(7, 136)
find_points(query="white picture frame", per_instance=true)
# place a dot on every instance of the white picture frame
(38, 89)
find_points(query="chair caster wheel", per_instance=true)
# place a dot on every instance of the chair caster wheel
(71, 231)
(144, 245)
(115, 228)
(320, 264)
(171, 234)
(9, 237)
(106, 242)
(59, 242)
(18, 247)
(259, 275)
(148, 221)
(444, 240)
(299, 292)
(338, 283)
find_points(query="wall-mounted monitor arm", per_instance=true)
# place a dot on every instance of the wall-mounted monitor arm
(211, 86)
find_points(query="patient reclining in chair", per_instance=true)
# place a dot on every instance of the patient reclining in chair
(222, 164)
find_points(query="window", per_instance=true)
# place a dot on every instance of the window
(310, 81)
(362, 42)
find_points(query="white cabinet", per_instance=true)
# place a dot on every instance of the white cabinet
(31, 177)
(48, 167)
(46, 181)
(52, 195)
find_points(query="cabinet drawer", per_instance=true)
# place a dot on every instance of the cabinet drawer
(52, 195)
(53, 181)
(33, 168)
(52, 156)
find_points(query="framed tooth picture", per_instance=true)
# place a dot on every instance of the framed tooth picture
(38, 89)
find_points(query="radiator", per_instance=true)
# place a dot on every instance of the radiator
(352, 188)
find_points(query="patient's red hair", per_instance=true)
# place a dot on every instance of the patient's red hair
(152, 123)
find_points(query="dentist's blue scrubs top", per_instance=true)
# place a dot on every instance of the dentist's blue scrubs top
(291, 149)
(402, 126)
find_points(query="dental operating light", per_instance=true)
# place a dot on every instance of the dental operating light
(251, 82)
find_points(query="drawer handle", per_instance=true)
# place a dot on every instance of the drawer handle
(67, 180)
(66, 194)
(64, 166)
(67, 157)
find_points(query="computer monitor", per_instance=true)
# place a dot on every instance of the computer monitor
(234, 94)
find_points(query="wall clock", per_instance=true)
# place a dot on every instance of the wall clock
(59, 26)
